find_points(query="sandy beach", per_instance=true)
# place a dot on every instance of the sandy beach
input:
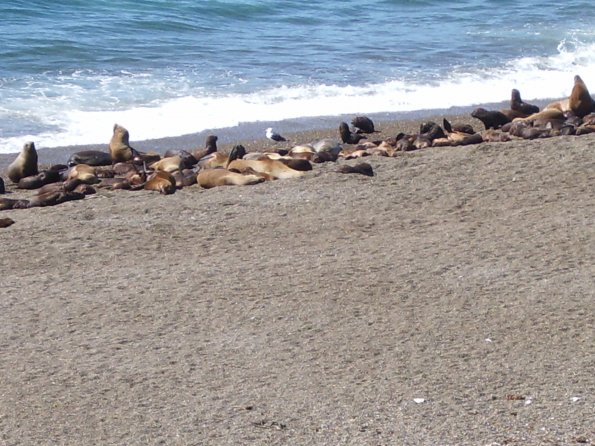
(448, 300)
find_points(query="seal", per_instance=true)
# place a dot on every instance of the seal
(361, 168)
(84, 173)
(363, 124)
(517, 104)
(491, 119)
(2, 187)
(24, 165)
(580, 101)
(456, 138)
(208, 178)
(161, 181)
(210, 147)
(347, 136)
(39, 180)
(119, 146)
(91, 158)
(6, 222)
(271, 168)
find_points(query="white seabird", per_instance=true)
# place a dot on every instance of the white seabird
(273, 136)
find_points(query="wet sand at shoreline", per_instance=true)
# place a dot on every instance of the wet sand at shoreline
(449, 299)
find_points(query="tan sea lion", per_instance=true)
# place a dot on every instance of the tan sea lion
(119, 146)
(208, 178)
(24, 165)
(169, 164)
(272, 168)
(84, 173)
(580, 101)
(161, 181)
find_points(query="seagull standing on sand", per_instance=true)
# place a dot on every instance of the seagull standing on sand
(273, 136)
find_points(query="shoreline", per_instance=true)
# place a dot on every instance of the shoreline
(251, 134)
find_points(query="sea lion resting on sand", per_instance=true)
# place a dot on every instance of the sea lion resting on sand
(273, 169)
(208, 178)
(24, 165)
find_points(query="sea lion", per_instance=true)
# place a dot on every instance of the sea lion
(11, 203)
(454, 138)
(491, 119)
(84, 173)
(24, 165)
(6, 222)
(517, 104)
(184, 178)
(580, 101)
(2, 187)
(431, 130)
(119, 146)
(53, 194)
(91, 158)
(169, 164)
(39, 180)
(210, 147)
(347, 136)
(363, 124)
(161, 181)
(208, 178)
(361, 168)
(545, 114)
(272, 168)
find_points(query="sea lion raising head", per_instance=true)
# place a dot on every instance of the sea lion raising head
(119, 145)
(517, 104)
(580, 101)
(24, 165)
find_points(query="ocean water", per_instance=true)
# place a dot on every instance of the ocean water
(70, 70)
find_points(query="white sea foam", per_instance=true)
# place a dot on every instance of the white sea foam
(72, 122)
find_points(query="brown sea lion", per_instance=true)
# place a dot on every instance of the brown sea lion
(11, 203)
(363, 124)
(41, 179)
(208, 178)
(91, 158)
(184, 178)
(361, 168)
(119, 146)
(210, 147)
(491, 119)
(24, 165)
(454, 138)
(161, 181)
(517, 104)
(347, 136)
(53, 194)
(6, 222)
(580, 101)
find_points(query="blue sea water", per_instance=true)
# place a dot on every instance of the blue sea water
(70, 70)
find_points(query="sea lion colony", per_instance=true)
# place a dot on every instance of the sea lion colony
(123, 167)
